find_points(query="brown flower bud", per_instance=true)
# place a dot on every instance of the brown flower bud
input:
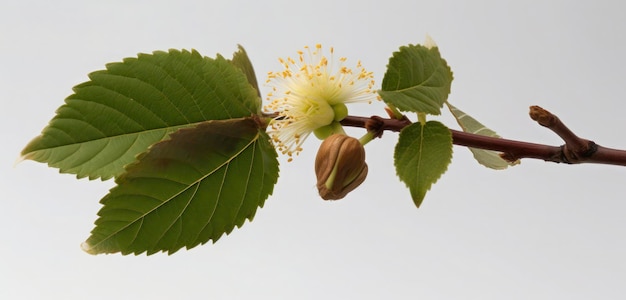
(340, 166)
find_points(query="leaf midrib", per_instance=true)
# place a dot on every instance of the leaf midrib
(175, 127)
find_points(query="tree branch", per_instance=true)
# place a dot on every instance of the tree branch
(575, 150)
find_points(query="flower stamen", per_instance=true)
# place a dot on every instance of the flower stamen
(306, 92)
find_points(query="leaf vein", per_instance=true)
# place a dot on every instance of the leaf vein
(226, 163)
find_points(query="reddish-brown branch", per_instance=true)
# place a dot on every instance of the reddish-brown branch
(575, 150)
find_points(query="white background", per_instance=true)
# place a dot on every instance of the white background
(537, 231)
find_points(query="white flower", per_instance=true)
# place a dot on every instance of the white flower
(311, 93)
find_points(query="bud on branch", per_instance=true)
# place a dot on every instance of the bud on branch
(340, 166)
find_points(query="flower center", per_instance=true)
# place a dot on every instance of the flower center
(314, 112)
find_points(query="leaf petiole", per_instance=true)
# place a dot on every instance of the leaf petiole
(421, 117)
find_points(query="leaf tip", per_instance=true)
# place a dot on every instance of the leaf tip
(429, 43)
(418, 202)
(418, 195)
(19, 160)
(87, 248)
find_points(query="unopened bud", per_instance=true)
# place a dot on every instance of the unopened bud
(340, 166)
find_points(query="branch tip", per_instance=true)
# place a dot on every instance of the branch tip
(542, 116)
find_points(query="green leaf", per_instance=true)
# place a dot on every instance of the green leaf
(188, 190)
(132, 104)
(243, 63)
(417, 80)
(488, 158)
(422, 155)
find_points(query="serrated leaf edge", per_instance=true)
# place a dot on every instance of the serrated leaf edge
(89, 248)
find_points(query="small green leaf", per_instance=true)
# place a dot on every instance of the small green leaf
(188, 190)
(243, 63)
(417, 80)
(487, 158)
(422, 155)
(133, 104)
